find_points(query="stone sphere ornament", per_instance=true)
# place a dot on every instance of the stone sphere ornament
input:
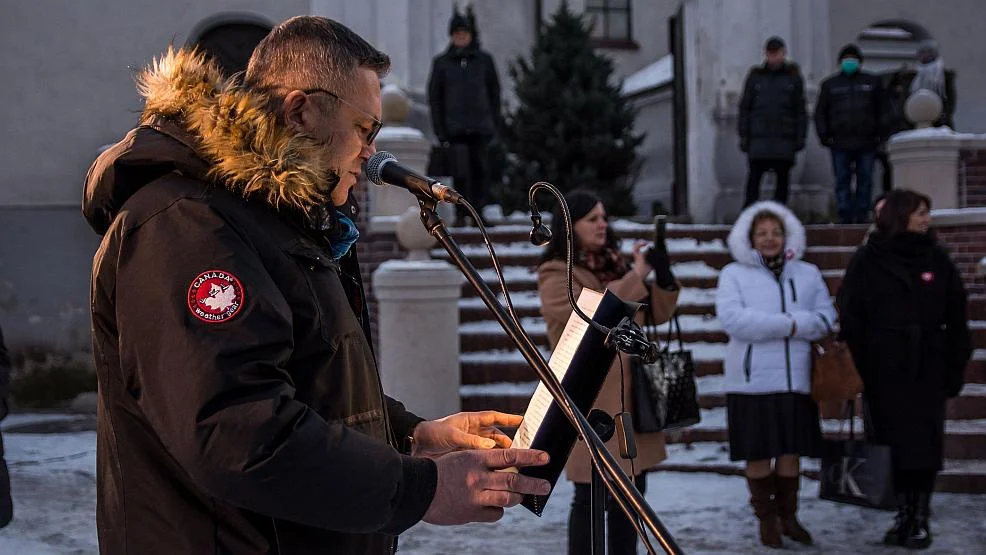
(394, 104)
(413, 236)
(923, 108)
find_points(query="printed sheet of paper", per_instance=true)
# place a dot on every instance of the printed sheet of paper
(561, 359)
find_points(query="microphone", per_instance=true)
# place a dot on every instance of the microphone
(540, 234)
(383, 168)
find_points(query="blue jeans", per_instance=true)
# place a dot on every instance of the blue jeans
(853, 208)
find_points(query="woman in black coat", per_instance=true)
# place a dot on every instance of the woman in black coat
(902, 307)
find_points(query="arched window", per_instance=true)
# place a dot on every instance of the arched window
(888, 45)
(232, 43)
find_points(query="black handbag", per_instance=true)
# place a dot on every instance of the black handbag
(857, 472)
(665, 393)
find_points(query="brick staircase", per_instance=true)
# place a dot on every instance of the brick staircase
(495, 376)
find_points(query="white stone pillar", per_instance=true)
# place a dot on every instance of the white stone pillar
(419, 325)
(926, 160)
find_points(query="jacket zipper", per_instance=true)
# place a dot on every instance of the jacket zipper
(748, 361)
(787, 344)
(391, 437)
(794, 292)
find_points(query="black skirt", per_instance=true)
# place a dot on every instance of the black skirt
(773, 424)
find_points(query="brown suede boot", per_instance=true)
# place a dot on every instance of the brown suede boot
(787, 509)
(762, 492)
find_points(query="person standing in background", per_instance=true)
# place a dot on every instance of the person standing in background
(772, 120)
(848, 120)
(600, 265)
(904, 317)
(772, 305)
(931, 75)
(464, 95)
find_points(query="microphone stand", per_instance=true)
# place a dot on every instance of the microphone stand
(616, 481)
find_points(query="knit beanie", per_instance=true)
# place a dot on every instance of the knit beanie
(850, 51)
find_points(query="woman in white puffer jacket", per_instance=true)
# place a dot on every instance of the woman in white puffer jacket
(772, 305)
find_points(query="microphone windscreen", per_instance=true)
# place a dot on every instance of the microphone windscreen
(372, 167)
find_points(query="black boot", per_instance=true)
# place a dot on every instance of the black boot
(919, 532)
(902, 522)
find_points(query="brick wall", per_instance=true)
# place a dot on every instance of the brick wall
(967, 244)
(972, 178)
(373, 249)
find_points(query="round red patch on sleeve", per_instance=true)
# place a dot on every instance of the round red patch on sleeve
(215, 296)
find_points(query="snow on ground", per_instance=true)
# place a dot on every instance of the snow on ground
(706, 514)
(53, 478)
(54, 490)
(53, 481)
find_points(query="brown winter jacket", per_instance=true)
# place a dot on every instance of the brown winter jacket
(240, 409)
(553, 289)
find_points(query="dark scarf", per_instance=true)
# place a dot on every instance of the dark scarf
(606, 264)
(775, 264)
(908, 249)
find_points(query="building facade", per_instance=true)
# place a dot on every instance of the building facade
(70, 90)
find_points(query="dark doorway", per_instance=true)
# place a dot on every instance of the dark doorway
(231, 44)
(679, 189)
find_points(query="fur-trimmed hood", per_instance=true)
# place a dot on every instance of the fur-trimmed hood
(213, 129)
(739, 237)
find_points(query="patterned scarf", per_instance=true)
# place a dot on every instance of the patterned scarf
(606, 264)
(348, 234)
(775, 264)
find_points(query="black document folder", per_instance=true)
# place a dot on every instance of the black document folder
(581, 362)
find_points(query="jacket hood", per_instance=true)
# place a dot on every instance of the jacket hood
(739, 237)
(198, 123)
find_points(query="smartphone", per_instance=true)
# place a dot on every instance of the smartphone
(660, 224)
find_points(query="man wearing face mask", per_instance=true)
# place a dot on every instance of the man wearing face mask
(240, 407)
(849, 120)
(772, 120)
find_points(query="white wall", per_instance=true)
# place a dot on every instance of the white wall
(956, 24)
(69, 86)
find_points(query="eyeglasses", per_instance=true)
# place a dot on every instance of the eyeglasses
(371, 135)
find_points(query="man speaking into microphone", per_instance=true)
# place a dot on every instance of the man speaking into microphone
(240, 407)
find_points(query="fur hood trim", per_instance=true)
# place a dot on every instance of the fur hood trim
(739, 237)
(248, 149)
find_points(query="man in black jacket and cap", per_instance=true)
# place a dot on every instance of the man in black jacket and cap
(772, 120)
(464, 94)
(849, 119)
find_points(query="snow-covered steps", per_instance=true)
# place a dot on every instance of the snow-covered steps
(713, 253)
(507, 365)
(691, 301)
(519, 230)
(488, 334)
(692, 275)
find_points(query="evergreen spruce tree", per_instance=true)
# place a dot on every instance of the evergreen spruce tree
(572, 127)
